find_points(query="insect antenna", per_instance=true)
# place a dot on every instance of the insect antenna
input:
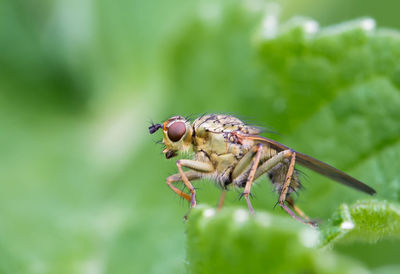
(154, 127)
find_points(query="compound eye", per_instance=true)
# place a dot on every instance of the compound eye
(176, 131)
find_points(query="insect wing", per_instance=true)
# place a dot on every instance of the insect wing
(318, 166)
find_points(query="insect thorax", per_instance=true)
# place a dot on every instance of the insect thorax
(214, 140)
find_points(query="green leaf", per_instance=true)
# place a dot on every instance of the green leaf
(367, 221)
(232, 241)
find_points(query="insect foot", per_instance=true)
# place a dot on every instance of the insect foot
(193, 199)
(246, 195)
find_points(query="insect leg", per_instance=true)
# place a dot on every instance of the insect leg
(273, 161)
(221, 199)
(285, 188)
(244, 164)
(296, 209)
(265, 167)
(253, 156)
(250, 179)
(268, 165)
(191, 175)
(196, 166)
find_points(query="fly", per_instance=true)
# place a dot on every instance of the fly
(231, 152)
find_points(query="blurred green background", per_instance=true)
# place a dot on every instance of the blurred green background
(82, 183)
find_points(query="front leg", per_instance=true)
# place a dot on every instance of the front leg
(191, 175)
(198, 166)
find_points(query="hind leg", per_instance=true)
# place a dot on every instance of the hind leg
(284, 179)
(308, 220)
(250, 163)
(285, 189)
(296, 209)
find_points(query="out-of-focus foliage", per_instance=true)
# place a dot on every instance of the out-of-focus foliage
(368, 221)
(82, 183)
(231, 241)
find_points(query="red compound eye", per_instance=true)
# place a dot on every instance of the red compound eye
(176, 131)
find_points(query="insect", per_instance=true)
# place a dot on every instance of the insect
(231, 153)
